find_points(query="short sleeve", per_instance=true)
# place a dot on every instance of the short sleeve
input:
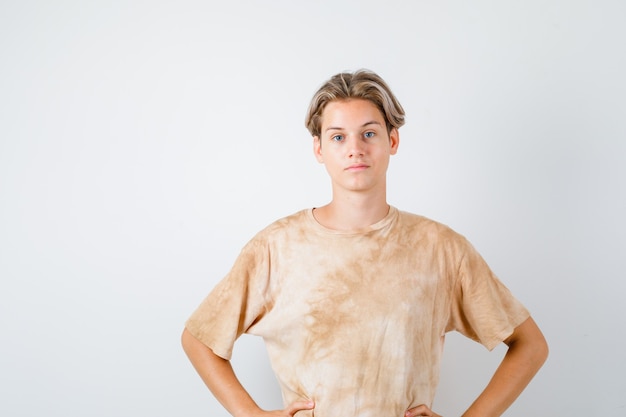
(236, 302)
(483, 309)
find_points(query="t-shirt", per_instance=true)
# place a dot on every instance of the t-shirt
(356, 320)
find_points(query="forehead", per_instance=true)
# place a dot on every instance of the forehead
(341, 113)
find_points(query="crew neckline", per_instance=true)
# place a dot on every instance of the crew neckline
(385, 221)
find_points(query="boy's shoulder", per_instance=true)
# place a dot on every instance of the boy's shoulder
(298, 220)
(413, 220)
(435, 232)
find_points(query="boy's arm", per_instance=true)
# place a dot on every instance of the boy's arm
(527, 352)
(218, 375)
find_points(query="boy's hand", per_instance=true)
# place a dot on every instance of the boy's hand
(294, 407)
(291, 409)
(420, 410)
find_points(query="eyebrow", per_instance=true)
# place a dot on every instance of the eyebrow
(372, 122)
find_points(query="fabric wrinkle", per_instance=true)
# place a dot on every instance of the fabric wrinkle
(357, 320)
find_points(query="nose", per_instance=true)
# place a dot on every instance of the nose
(356, 147)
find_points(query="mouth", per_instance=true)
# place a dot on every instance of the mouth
(357, 167)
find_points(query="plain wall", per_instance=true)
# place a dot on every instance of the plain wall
(142, 143)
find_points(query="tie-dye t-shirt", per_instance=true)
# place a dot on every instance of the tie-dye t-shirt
(356, 320)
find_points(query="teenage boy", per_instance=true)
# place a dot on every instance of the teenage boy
(353, 298)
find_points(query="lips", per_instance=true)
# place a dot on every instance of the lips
(357, 167)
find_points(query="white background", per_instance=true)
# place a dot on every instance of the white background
(142, 143)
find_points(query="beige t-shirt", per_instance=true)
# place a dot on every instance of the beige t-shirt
(356, 321)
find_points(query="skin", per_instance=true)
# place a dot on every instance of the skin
(355, 147)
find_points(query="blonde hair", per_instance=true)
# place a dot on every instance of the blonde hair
(362, 84)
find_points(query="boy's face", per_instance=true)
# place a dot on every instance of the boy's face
(355, 146)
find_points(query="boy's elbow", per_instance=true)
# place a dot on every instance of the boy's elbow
(542, 350)
(538, 345)
(529, 341)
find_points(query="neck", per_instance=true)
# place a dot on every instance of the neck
(352, 211)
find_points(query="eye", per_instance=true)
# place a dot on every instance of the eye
(369, 135)
(337, 138)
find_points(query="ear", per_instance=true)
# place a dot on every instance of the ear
(394, 141)
(317, 149)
